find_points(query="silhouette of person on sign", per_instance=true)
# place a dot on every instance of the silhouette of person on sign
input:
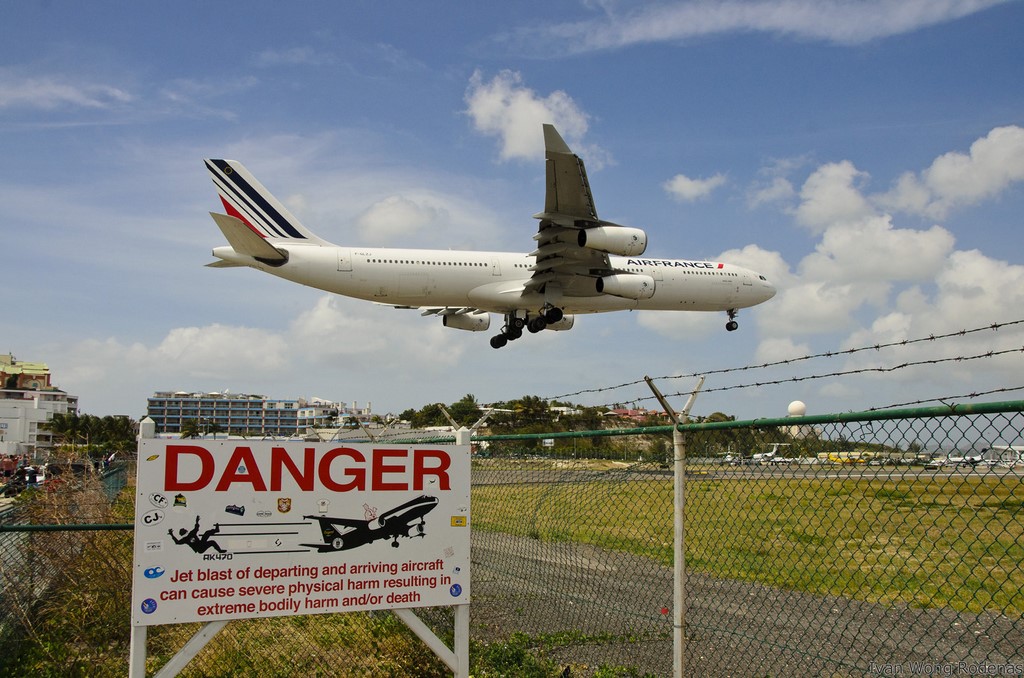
(195, 541)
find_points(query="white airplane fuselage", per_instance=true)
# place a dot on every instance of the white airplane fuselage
(494, 281)
(581, 264)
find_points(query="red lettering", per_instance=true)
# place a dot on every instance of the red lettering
(440, 470)
(171, 481)
(279, 459)
(188, 468)
(380, 468)
(242, 468)
(356, 476)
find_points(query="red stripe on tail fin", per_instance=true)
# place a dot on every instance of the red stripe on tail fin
(238, 215)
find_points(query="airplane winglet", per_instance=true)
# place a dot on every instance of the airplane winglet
(553, 141)
(567, 198)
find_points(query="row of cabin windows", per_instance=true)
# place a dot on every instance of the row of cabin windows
(436, 263)
(427, 263)
(480, 264)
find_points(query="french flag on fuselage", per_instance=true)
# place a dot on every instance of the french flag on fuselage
(245, 198)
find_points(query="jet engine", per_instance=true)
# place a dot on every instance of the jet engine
(621, 240)
(474, 322)
(564, 324)
(627, 285)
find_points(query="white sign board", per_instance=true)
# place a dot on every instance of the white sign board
(238, 529)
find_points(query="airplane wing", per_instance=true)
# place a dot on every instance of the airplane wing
(340, 522)
(568, 207)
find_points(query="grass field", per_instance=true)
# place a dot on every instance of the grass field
(931, 541)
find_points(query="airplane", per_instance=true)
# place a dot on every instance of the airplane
(342, 534)
(581, 263)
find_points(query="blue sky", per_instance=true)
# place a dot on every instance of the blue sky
(867, 156)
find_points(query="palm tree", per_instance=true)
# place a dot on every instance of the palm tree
(190, 429)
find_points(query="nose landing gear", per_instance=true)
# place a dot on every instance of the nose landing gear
(732, 324)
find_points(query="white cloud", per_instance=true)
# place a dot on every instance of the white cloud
(397, 216)
(974, 285)
(816, 306)
(337, 328)
(872, 249)
(775, 349)
(359, 341)
(328, 331)
(877, 283)
(221, 351)
(47, 93)
(956, 179)
(693, 326)
(834, 21)
(293, 56)
(505, 108)
(830, 196)
(778, 189)
(685, 189)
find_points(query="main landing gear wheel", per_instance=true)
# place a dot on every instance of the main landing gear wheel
(536, 324)
(513, 330)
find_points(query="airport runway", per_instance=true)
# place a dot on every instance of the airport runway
(498, 475)
(733, 628)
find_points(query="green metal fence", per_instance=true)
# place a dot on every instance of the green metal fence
(855, 544)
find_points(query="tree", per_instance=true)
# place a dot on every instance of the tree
(89, 435)
(430, 415)
(465, 411)
(190, 429)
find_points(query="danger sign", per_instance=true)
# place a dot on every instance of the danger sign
(232, 529)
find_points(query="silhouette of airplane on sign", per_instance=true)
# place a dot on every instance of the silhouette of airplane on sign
(342, 534)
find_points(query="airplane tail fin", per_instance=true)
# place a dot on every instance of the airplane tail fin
(247, 200)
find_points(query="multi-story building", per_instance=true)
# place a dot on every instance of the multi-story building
(27, 402)
(241, 414)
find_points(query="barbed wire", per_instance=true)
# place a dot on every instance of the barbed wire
(947, 400)
(860, 370)
(814, 356)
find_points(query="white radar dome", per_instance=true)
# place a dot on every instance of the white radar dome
(797, 408)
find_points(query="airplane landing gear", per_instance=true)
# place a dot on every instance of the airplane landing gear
(732, 324)
(553, 314)
(514, 325)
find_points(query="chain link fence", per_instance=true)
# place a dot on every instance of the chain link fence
(858, 544)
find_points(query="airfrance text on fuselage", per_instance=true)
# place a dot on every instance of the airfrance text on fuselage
(672, 263)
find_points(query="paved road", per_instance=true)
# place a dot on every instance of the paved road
(734, 628)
